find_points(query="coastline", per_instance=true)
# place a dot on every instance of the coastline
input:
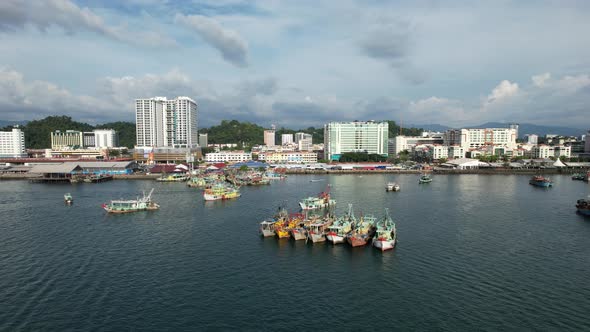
(482, 171)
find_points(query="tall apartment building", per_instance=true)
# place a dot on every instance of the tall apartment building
(105, 138)
(269, 137)
(476, 138)
(161, 122)
(532, 139)
(357, 136)
(286, 139)
(300, 136)
(12, 144)
(203, 140)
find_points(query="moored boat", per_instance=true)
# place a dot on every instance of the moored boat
(363, 231)
(221, 191)
(392, 186)
(578, 176)
(68, 199)
(336, 233)
(175, 177)
(583, 206)
(317, 229)
(144, 203)
(267, 227)
(385, 234)
(540, 181)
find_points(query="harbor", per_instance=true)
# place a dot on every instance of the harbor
(469, 240)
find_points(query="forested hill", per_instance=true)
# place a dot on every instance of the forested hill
(38, 132)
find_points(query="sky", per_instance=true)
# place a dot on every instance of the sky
(297, 64)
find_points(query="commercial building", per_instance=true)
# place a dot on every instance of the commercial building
(269, 137)
(12, 144)
(105, 138)
(160, 122)
(286, 139)
(300, 136)
(67, 139)
(295, 157)
(547, 151)
(401, 143)
(532, 139)
(342, 137)
(476, 138)
(228, 156)
(203, 140)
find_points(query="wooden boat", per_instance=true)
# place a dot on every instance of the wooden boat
(127, 206)
(68, 199)
(174, 177)
(221, 191)
(267, 227)
(298, 230)
(317, 228)
(363, 231)
(540, 181)
(392, 186)
(425, 178)
(578, 176)
(197, 182)
(336, 233)
(583, 206)
(385, 234)
(321, 201)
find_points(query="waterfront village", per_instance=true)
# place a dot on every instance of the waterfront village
(169, 149)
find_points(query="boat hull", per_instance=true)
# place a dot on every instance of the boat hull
(335, 238)
(541, 184)
(267, 232)
(383, 244)
(282, 234)
(357, 241)
(316, 237)
(585, 212)
(213, 197)
(298, 234)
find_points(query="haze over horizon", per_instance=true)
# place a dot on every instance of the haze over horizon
(299, 64)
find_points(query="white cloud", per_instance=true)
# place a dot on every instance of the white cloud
(540, 80)
(503, 91)
(232, 46)
(17, 14)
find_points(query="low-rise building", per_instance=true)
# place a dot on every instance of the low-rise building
(228, 156)
(295, 157)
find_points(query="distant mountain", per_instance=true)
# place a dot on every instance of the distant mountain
(4, 123)
(528, 128)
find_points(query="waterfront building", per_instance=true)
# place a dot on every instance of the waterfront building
(105, 138)
(203, 140)
(293, 157)
(160, 122)
(67, 139)
(546, 151)
(89, 139)
(357, 136)
(475, 138)
(456, 151)
(305, 144)
(12, 144)
(439, 152)
(286, 139)
(401, 143)
(269, 137)
(228, 156)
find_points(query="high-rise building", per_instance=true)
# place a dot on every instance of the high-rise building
(269, 137)
(300, 136)
(203, 140)
(514, 126)
(161, 122)
(105, 138)
(286, 139)
(476, 138)
(341, 137)
(532, 139)
(587, 142)
(67, 139)
(12, 144)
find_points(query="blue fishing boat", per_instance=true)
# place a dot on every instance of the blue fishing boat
(540, 181)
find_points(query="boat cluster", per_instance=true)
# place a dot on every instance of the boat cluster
(328, 227)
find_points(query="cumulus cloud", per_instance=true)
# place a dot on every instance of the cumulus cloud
(504, 90)
(539, 80)
(17, 14)
(229, 43)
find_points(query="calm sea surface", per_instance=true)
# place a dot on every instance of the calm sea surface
(475, 252)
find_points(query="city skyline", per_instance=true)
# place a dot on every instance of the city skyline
(285, 63)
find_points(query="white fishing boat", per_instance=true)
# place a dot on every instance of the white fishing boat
(386, 234)
(267, 228)
(133, 205)
(321, 201)
(392, 186)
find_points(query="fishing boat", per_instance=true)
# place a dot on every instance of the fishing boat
(425, 178)
(133, 205)
(321, 201)
(540, 181)
(221, 191)
(174, 177)
(583, 206)
(385, 234)
(336, 233)
(363, 231)
(392, 186)
(317, 229)
(197, 182)
(267, 227)
(68, 199)
(298, 230)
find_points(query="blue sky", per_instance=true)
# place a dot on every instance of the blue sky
(299, 63)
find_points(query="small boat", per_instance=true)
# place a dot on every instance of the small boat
(68, 199)
(583, 206)
(221, 191)
(267, 227)
(323, 200)
(578, 176)
(316, 180)
(540, 181)
(174, 177)
(134, 205)
(317, 229)
(385, 234)
(392, 186)
(197, 182)
(425, 178)
(298, 230)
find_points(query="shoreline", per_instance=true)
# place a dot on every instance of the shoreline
(530, 171)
